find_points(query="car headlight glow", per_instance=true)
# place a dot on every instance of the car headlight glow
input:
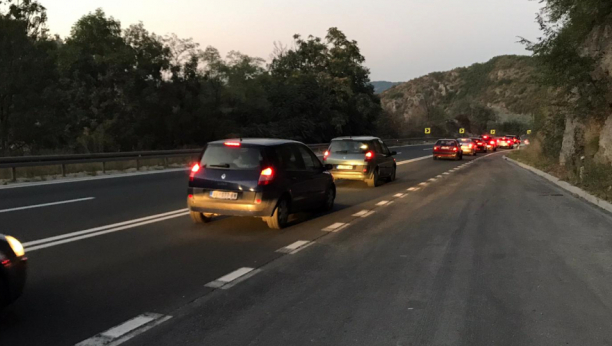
(15, 245)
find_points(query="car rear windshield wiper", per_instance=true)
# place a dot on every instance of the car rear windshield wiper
(221, 165)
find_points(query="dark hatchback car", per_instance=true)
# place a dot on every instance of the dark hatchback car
(447, 148)
(267, 178)
(13, 265)
(362, 158)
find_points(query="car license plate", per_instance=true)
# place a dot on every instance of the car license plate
(223, 195)
(345, 167)
(445, 148)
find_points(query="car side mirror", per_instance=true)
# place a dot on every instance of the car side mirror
(328, 167)
(393, 153)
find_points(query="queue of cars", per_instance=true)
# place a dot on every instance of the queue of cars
(456, 148)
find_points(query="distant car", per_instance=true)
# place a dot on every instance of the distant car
(515, 139)
(362, 158)
(267, 178)
(13, 264)
(468, 146)
(491, 142)
(447, 148)
(506, 142)
(481, 146)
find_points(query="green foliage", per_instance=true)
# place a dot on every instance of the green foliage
(106, 88)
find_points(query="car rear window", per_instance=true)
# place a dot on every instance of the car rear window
(446, 143)
(225, 157)
(464, 140)
(349, 147)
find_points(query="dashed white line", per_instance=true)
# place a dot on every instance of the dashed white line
(399, 195)
(432, 179)
(381, 203)
(295, 247)
(445, 173)
(232, 278)
(439, 176)
(412, 189)
(126, 330)
(46, 204)
(368, 214)
(423, 184)
(361, 213)
(335, 227)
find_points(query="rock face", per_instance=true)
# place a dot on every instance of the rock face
(604, 154)
(505, 84)
(572, 137)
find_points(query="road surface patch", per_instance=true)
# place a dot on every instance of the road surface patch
(47, 204)
(335, 227)
(126, 330)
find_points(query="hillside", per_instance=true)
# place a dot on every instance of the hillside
(501, 93)
(380, 86)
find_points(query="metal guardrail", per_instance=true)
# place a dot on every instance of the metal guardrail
(62, 160)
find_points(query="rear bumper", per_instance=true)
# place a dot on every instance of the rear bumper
(349, 175)
(15, 273)
(468, 151)
(265, 208)
(444, 155)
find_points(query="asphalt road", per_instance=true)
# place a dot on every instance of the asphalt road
(488, 254)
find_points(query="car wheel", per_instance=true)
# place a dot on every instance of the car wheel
(280, 218)
(373, 180)
(198, 217)
(392, 177)
(435, 157)
(330, 197)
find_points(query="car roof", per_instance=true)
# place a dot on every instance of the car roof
(355, 138)
(447, 139)
(257, 141)
(466, 138)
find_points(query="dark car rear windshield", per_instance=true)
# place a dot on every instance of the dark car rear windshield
(465, 140)
(226, 157)
(348, 147)
(446, 142)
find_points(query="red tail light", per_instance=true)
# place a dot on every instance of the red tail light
(195, 169)
(232, 144)
(369, 155)
(436, 148)
(492, 142)
(471, 145)
(325, 155)
(455, 149)
(266, 176)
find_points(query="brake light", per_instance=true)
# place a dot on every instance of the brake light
(232, 144)
(436, 148)
(325, 155)
(195, 169)
(266, 176)
(454, 148)
(492, 142)
(369, 155)
(471, 145)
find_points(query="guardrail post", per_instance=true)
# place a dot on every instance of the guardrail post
(13, 173)
(63, 169)
(137, 164)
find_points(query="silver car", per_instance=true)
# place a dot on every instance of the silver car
(362, 158)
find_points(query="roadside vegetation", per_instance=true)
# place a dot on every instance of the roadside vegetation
(108, 88)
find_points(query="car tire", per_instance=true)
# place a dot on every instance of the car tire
(374, 179)
(330, 197)
(392, 177)
(198, 217)
(435, 157)
(280, 217)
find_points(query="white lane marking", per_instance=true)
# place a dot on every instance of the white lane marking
(96, 234)
(100, 177)
(382, 203)
(368, 214)
(101, 228)
(391, 202)
(413, 160)
(292, 247)
(233, 278)
(439, 176)
(361, 213)
(412, 189)
(399, 195)
(126, 330)
(423, 184)
(445, 173)
(47, 204)
(335, 227)
(432, 179)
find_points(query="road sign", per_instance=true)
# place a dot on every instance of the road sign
(427, 130)
(461, 131)
(528, 132)
(492, 132)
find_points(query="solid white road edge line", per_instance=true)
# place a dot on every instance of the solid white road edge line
(47, 204)
(335, 227)
(294, 246)
(96, 234)
(126, 330)
(413, 160)
(91, 230)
